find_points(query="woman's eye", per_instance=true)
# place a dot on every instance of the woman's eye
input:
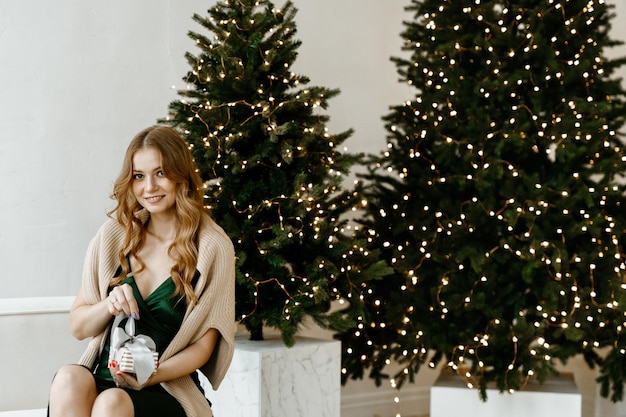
(138, 176)
(160, 173)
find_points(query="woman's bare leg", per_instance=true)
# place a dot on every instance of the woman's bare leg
(113, 402)
(73, 392)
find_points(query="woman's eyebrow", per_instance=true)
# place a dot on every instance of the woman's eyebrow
(154, 170)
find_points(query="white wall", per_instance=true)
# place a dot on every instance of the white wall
(79, 78)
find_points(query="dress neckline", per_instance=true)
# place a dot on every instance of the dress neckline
(136, 288)
(132, 277)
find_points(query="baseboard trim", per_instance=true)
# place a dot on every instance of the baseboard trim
(35, 305)
(38, 412)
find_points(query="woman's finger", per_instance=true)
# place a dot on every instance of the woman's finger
(131, 303)
(113, 304)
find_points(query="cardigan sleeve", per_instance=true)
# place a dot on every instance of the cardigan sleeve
(98, 268)
(216, 304)
(222, 294)
(101, 261)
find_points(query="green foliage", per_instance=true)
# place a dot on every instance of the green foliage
(499, 199)
(273, 172)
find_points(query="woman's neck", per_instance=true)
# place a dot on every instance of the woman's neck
(163, 229)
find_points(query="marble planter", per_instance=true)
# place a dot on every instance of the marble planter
(268, 379)
(557, 396)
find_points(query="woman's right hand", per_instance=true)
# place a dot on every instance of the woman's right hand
(121, 299)
(88, 320)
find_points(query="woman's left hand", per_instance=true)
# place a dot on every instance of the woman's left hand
(125, 380)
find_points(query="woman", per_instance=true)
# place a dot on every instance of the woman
(162, 259)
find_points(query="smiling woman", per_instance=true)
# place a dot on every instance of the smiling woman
(162, 260)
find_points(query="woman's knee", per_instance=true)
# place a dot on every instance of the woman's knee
(72, 392)
(73, 379)
(113, 402)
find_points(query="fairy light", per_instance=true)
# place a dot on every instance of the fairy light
(569, 227)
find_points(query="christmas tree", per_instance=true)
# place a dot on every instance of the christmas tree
(274, 174)
(499, 200)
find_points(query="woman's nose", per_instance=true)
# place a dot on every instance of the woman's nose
(151, 183)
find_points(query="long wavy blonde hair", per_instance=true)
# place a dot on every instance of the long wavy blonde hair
(178, 166)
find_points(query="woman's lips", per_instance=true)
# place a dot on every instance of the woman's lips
(154, 199)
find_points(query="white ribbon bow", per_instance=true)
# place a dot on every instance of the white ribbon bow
(141, 347)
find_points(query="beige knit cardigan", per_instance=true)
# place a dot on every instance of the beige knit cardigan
(215, 308)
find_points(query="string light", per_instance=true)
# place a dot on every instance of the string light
(502, 150)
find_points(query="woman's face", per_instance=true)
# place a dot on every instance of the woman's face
(153, 190)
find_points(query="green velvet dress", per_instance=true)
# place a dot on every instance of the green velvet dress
(160, 317)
